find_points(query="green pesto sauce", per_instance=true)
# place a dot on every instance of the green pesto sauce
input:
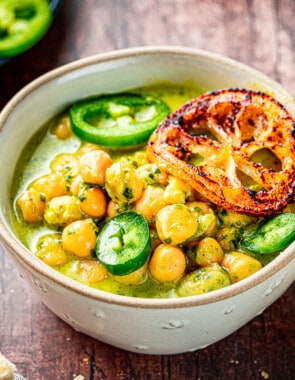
(35, 162)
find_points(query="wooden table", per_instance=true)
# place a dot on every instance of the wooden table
(260, 33)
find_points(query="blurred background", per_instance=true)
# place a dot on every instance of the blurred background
(256, 32)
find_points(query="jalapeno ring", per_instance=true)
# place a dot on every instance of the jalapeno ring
(118, 121)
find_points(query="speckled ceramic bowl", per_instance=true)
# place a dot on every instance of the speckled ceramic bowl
(151, 326)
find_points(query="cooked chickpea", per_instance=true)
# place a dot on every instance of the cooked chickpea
(201, 208)
(150, 203)
(93, 166)
(50, 250)
(176, 224)
(63, 130)
(51, 185)
(203, 280)
(31, 204)
(136, 159)
(79, 237)
(65, 164)
(239, 265)
(177, 191)
(86, 147)
(122, 183)
(93, 201)
(136, 277)
(167, 263)
(228, 238)
(207, 219)
(150, 174)
(229, 218)
(92, 270)
(61, 211)
(76, 185)
(112, 209)
(208, 251)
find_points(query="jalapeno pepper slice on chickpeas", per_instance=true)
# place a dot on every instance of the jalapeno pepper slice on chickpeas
(117, 121)
(124, 245)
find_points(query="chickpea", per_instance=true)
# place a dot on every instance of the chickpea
(51, 185)
(167, 263)
(31, 204)
(239, 265)
(79, 237)
(207, 220)
(177, 191)
(61, 211)
(76, 185)
(136, 159)
(230, 219)
(150, 174)
(139, 157)
(208, 251)
(93, 166)
(112, 209)
(66, 165)
(137, 277)
(92, 270)
(122, 183)
(176, 224)
(150, 203)
(62, 129)
(203, 280)
(228, 238)
(86, 147)
(50, 250)
(93, 201)
(200, 208)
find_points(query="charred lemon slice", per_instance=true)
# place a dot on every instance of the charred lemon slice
(211, 142)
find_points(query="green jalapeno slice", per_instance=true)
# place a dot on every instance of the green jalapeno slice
(273, 236)
(22, 24)
(117, 121)
(124, 245)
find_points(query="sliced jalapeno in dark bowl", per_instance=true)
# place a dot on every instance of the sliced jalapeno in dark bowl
(117, 121)
(273, 236)
(124, 244)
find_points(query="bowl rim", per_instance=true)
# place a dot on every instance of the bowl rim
(20, 252)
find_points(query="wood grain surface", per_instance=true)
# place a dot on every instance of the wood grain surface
(260, 33)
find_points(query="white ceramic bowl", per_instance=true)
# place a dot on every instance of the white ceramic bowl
(151, 326)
